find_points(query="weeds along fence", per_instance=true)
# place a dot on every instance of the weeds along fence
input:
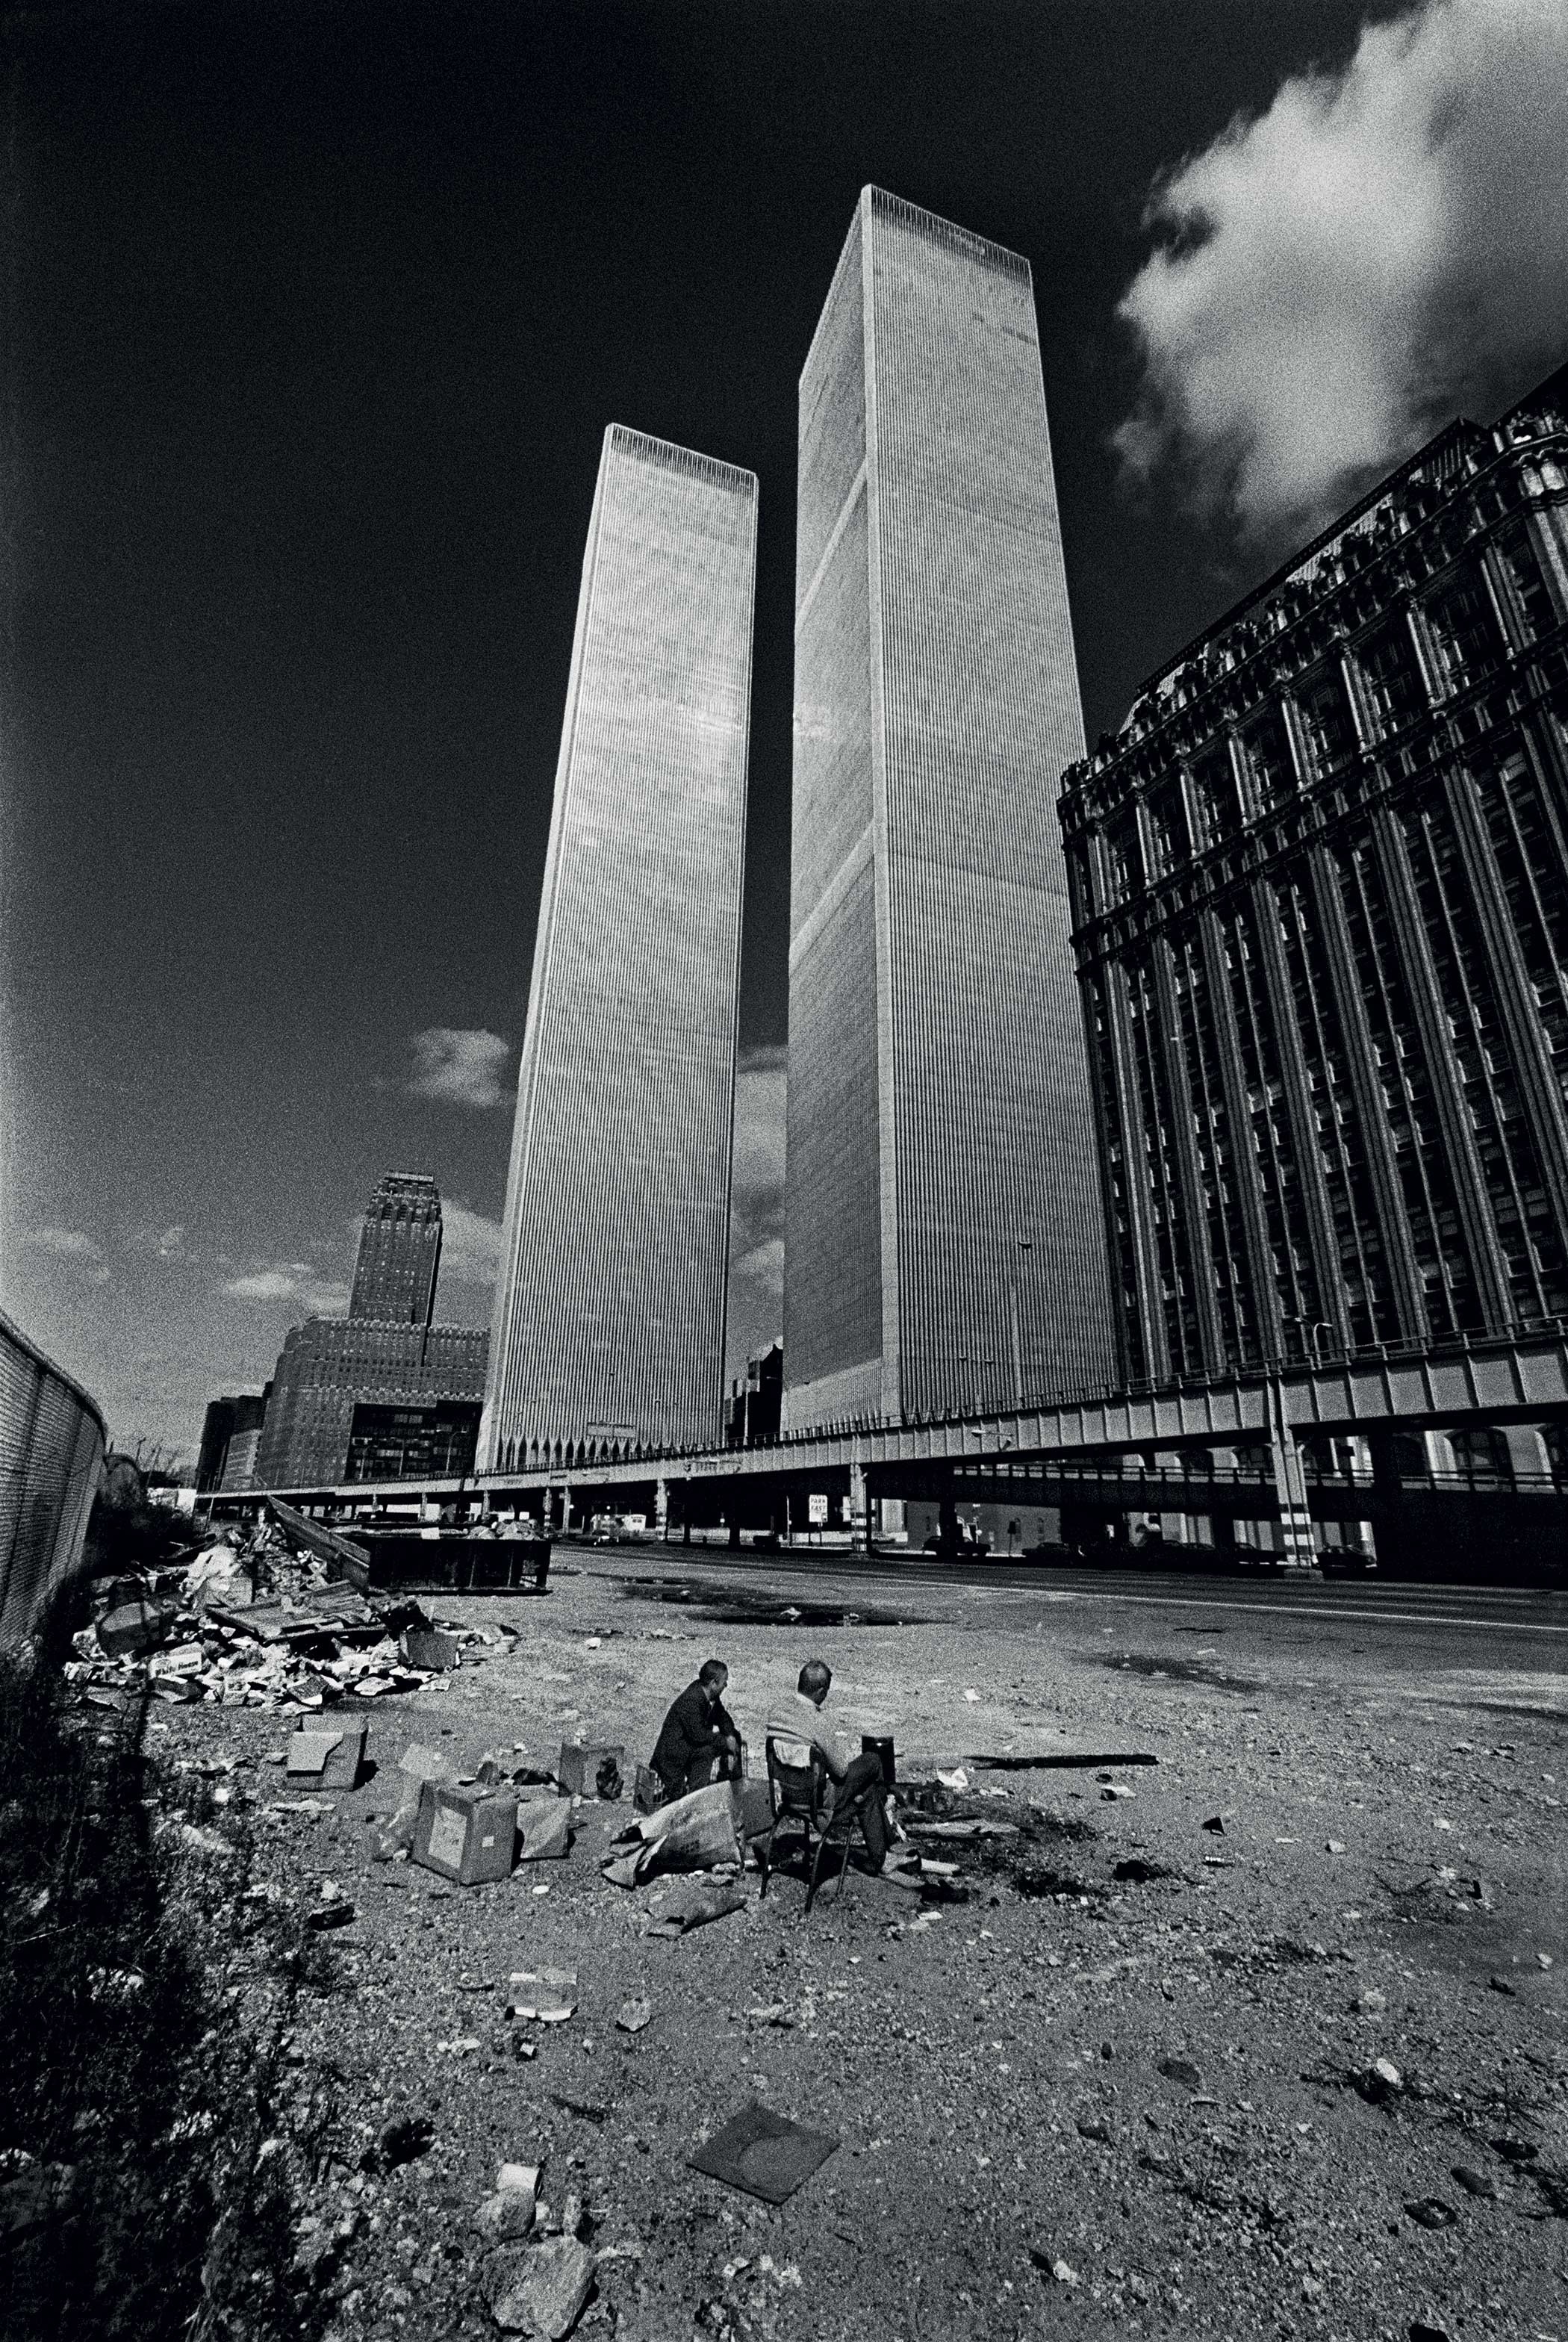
(51, 1440)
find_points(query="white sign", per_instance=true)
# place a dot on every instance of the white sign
(816, 1510)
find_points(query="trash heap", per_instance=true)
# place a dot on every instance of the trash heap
(260, 1622)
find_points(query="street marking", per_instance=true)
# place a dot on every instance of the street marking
(1325, 1610)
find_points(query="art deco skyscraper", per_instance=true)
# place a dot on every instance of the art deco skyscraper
(399, 1252)
(944, 1242)
(609, 1300)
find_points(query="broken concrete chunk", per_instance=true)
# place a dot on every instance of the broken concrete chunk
(506, 2216)
(1432, 2212)
(635, 2016)
(545, 2286)
(327, 1755)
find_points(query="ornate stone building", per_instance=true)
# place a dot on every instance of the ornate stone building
(1320, 892)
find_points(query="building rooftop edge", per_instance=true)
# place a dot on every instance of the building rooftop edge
(946, 231)
(629, 441)
(1455, 433)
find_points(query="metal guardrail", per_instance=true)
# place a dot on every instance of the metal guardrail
(52, 1441)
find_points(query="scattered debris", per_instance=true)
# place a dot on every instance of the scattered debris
(591, 1771)
(690, 1833)
(689, 1903)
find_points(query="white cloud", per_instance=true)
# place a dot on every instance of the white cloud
(461, 1068)
(1385, 248)
(756, 1218)
(764, 1265)
(80, 1255)
(295, 1282)
(470, 1244)
(761, 1082)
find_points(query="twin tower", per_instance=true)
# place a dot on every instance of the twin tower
(943, 1244)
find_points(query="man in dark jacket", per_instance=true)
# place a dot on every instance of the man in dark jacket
(699, 1740)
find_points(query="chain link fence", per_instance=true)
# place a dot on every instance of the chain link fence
(52, 1439)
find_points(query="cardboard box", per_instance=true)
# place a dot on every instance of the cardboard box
(466, 1834)
(428, 1647)
(578, 1770)
(133, 1627)
(328, 1755)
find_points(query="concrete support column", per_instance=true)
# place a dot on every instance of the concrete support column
(1527, 1450)
(1298, 1545)
(859, 1516)
(662, 1510)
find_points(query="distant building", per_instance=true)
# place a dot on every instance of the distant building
(943, 1244)
(435, 1442)
(753, 1417)
(399, 1360)
(330, 1364)
(240, 1459)
(399, 1252)
(225, 1419)
(1321, 905)
(610, 1303)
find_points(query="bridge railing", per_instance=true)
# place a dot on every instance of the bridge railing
(52, 1439)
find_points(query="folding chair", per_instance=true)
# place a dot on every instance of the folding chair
(798, 1795)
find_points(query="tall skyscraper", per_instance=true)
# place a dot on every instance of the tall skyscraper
(1322, 909)
(387, 1352)
(399, 1252)
(943, 1225)
(610, 1299)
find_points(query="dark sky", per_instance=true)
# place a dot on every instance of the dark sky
(314, 316)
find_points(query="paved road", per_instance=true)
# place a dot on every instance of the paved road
(1519, 1609)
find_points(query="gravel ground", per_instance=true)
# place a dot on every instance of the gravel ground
(1101, 2107)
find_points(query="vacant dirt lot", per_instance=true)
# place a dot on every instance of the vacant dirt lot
(1071, 2103)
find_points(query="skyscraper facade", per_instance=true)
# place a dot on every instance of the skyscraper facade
(942, 1218)
(399, 1252)
(609, 1300)
(1321, 901)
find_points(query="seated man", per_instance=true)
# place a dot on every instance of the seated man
(699, 1740)
(857, 1779)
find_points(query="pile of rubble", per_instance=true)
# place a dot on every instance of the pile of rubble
(261, 1622)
